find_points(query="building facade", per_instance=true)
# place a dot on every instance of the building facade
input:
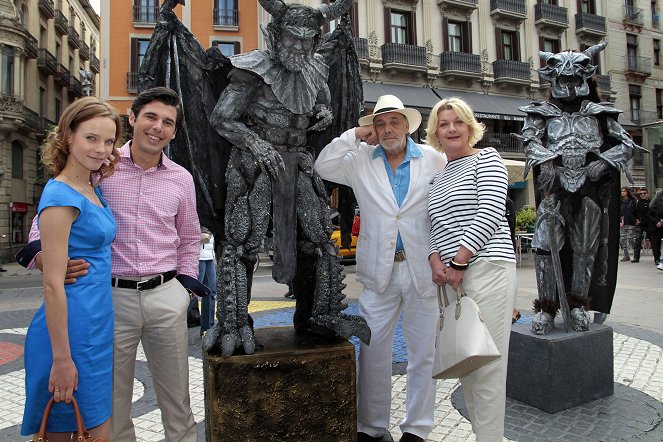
(44, 47)
(128, 24)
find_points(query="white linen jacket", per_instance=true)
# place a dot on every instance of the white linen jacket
(349, 161)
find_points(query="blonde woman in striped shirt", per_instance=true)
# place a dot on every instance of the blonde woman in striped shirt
(470, 243)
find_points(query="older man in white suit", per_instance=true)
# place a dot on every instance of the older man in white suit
(391, 176)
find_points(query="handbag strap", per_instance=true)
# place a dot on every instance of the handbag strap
(443, 300)
(81, 432)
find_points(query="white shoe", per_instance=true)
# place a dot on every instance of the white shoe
(660, 265)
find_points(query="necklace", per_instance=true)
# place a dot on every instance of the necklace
(85, 189)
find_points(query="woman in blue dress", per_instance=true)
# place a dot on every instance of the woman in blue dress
(69, 345)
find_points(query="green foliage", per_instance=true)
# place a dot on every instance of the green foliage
(525, 218)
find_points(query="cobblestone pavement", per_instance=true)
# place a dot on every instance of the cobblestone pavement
(634, 412)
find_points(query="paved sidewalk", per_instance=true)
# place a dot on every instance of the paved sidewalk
(633, 413)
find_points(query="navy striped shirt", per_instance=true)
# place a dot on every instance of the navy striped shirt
(467, 207)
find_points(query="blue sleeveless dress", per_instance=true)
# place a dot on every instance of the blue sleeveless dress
(90, 320)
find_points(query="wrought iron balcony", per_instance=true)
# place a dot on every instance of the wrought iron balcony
(511, 71)
(361, 45)
(640, 66)
(461, 64)
(403, 54)
(509, 9)
(46, 62)
(603, 82)
(501, 142)
(74, 40)
(633, 16)
(46, 8)
(31, 119)
(132, 82)
(463, 6)
(147, 14)
(591, 25)
(61, 23)
(75, 87)
(62, 75)
(31, 47)
(84, 51)
(551, 15)
(225, 17)
(94, 63)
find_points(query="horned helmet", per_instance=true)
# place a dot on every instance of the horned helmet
(298, 22)
(568, 71)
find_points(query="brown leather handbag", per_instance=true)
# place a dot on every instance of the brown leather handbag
(81, 432)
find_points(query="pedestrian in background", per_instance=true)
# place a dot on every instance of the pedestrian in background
(69, 344)
(656, 226)
(471, 243)
(207, 276)
(627, 204)
(642, 223)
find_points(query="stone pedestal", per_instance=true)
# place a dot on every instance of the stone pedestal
(560, 370)
(298, 388)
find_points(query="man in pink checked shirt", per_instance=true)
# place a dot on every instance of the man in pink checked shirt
(154, 257)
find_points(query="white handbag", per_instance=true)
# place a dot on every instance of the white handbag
(463, 340)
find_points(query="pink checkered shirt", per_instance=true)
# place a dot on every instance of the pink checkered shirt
(157, 224)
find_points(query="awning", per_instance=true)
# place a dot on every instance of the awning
(515, 169)
(491, 107)
(421, 98)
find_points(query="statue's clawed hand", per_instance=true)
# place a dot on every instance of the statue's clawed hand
(268, 158)
(596, 169)
(324, 117)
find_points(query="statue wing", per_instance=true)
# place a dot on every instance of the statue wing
(347, 99)
(174, 58)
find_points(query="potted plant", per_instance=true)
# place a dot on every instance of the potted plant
(526, 219)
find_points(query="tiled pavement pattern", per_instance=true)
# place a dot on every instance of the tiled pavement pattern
(633, 413)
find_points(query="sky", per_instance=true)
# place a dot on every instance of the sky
(95, 5)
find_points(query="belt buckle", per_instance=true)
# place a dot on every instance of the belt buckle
(399, 256)
(139, 285)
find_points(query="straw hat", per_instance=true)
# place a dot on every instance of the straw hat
(391, 103)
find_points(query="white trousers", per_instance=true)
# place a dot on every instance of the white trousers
(157, 318)
(492, 284)
(420, 316)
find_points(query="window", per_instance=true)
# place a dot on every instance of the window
(7, 70)
(138, 49)
(657, 52)
(587, 6)
(58, 109)
(399, 26)
(596, 59)
(42, 102)
(654, 14)
(354, 19)
(146, 11)
(549, 2)
(659, 104)
(228, 48)
(508, 47)
(226, 13)
(458, 34)
(455, 37)
(17, 160)
(635, 95)
(632, 51)
(548, 45)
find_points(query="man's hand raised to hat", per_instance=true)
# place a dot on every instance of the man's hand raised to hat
(367, 134)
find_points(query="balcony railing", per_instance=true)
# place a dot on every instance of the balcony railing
(590, 23)
(75, 87)
(633, 15)
(501, 142)
(31, 119)
(460, 62)
(84, 51)
(551, 13)
(147, 14)
(638, 65)
(603, 82)
(46, 8)
(31, 47)
(62, 75)
(518, 70)
(74, 40)
(225, 17)
(46, 61)
(404, 54)
(509, 7)
(61, 23)
(94, 63)
(132, 82)
(361, 45)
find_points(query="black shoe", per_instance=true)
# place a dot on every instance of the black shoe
(635, 260)
(289, 295)
(2, 269)
(409, 437)
(363, 437)
(626, 258)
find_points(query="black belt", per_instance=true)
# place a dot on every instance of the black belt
(148, 284)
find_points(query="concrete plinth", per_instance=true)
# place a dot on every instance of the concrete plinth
(298, 388)
(560, 370)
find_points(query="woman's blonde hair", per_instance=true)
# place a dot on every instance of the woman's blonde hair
(463, 111)
(56, 148)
